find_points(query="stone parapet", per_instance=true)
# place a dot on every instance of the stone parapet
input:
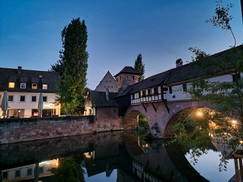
(28, 129)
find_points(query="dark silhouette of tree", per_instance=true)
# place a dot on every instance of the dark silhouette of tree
(139, 66)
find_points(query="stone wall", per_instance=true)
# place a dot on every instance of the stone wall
(27, 129)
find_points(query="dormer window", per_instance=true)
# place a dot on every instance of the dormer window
(44, 86)
(11, 84)
(34, 85)
(23, 85)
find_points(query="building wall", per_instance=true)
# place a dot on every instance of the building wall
(108, 82)
(173, 92)
(179, 94)
(107, 113)
(27, 129)
(25, 108)
(124, 80)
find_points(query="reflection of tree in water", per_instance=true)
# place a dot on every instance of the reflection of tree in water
(69, 169)
(193, 135)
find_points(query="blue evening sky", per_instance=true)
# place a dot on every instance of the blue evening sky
(118, 30)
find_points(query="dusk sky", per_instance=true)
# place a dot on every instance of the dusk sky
(118, 30)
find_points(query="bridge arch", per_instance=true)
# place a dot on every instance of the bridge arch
(159, 114)
(130, 120)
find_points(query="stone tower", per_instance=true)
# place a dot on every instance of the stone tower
(127, 76)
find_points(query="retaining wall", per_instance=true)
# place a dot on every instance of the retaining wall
(27, 129)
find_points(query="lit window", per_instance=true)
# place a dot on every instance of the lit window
(44, 86)
(23, 85)
(11, 85)
(22, 98)
(10, 98)
(34, 85)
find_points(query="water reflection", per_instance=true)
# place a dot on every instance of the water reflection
(115, 156)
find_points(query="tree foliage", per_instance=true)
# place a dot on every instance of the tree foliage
(222, 18)
(226, 121)
(139, 66)
(72, 66)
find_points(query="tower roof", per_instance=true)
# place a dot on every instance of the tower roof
(129, 70)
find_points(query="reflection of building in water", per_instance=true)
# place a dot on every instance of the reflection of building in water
(133, 164)
(28, 172)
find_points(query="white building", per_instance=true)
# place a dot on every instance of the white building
(24, 88)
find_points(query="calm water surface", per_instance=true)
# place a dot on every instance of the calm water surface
(110, 157)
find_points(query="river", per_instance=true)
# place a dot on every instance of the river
(111, 157)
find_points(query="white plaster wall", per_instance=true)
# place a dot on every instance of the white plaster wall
(28, 105)
(177, 93)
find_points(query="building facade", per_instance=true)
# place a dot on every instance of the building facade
(24, 89)
(108, 82)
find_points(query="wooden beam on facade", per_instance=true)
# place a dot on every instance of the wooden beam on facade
(154, 106)
(144, 107)
(168, 109)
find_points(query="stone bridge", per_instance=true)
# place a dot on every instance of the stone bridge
(160, 115)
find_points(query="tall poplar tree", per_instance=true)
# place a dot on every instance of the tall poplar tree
(72, 66)
(139, 66)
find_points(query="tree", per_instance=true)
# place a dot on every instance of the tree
(72, 66)
(227, 97)
(139, 66)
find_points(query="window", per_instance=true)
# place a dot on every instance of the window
(236, 77)
(149, 91)
(156, 91)
(44, 86)
(11, 85)
(45, 99)
(34, 85)
(184, 87)
(22, 98)
(170, 90)
(23, 85)
(41, 170)
(33, 99)
(17, 173)
(10, 98)
(5, 175)
(29, 171)
(144, 93)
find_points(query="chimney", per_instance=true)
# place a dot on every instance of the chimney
(107, 94)
(19, 70)
(179, 62)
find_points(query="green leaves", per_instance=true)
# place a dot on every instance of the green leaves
(72, 67)
(139, 66)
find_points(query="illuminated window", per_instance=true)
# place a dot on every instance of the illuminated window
(44, 86)
(34, 85)
(11, 85)
(23, 85)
